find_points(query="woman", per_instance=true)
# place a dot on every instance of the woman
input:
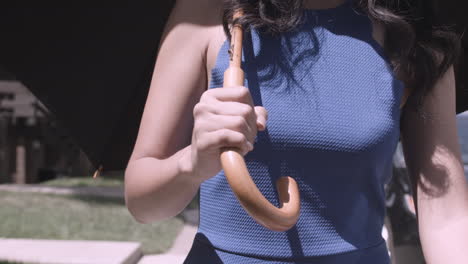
(325, 82)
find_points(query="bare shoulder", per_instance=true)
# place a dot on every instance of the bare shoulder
(202, 20)
(202, 12)
(195, 17)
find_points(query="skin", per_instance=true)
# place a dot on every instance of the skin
(177, 146)
(433, 157)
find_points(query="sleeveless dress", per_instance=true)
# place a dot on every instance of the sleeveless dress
(333, 125)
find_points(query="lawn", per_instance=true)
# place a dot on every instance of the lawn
(85, 182)
(99, 182)
(46, 216)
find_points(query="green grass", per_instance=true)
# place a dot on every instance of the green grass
(85, 182)
(101, 182)
(33, 215)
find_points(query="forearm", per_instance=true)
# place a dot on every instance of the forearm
(158, 189)
(447, 243)
(443, 221)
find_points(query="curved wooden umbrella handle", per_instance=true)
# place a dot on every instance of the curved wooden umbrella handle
(253, 201)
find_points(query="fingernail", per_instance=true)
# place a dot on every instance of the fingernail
(250, 146)
(261, 126)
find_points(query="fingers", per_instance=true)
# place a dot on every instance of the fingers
(239, 94)
(226, 117)
(216, 107)
(262, 117)
(224, 138)
(212, 122)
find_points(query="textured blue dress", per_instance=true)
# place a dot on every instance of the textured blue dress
(333, 104)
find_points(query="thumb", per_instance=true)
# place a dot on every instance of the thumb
(262, 117)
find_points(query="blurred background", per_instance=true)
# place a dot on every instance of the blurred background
(47, 192)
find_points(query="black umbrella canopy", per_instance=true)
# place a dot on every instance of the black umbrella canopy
(92, 66)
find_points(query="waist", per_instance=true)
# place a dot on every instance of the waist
(203, 251)
(329, 222)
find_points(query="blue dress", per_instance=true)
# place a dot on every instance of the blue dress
(333, 104)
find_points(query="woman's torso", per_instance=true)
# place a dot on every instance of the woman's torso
(333, 126)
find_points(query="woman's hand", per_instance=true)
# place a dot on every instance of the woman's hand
(224, 117)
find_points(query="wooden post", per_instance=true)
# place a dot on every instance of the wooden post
(4, 150)
(20, 174)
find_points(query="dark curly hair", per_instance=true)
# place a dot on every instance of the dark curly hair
(419, 52)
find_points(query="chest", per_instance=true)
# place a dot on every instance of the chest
(326, 87)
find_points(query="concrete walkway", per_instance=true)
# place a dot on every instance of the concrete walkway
(178, 252)
(69, 251)
(91, 252)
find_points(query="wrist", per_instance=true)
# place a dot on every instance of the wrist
(186, 167)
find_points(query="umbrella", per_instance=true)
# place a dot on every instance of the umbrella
(237, 175)
(92, 68)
